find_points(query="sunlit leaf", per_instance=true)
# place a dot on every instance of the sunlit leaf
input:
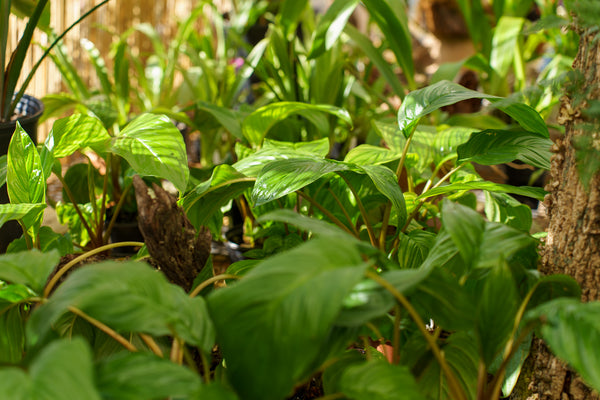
(74, 133)
(331, 25)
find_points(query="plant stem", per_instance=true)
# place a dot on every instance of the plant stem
(457, 393)
(152, 344)
(363, 212)
(339, 203)
(177, 351)
(118, 207)
(209, 281)
(328, 214)
(77, 209)
(82, 257)
(104, 328)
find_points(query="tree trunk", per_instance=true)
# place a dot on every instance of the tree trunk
(573, 243)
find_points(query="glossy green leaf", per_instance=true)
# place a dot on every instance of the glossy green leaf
(313, 225)
(9, 212)
(153, 146)
(528, 191)
(503, 208)
(127, 296)
(496, 311)
(274, 150)
(283, 310)
(331, 25)
(64, 371)
(30, 268)
(75, 133)
(208, 197)
(491, 147)
(282, 177)
(421, 102)
(256, 126)
(143, 376)
(25, 178)
(366, 154)
(379, 380)
(572, 331)
(396, 34)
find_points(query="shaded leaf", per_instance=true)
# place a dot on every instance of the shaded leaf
(29, 268)
(528, 191)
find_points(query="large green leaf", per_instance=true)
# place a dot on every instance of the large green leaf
(290, 14)
(503, 208)
(29, 268)
(127, 296)
(204, 200)
(572, 331)
(379, 380)
(256, 126)
(421, 102)
(529, 191)
(550, 287)
(504, 43)
(414, 247)
(282, 177)
(12, 325)
(15, 383)
(3, 169)
(25, 177)
(63, 371)
(9, 212)
(143, 376)
(284, 310)
(153, 146)
(74, 133)
(492, 147)
(331, 25)
(227, 117)
(366, 154)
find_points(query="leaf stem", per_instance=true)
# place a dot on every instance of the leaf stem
(116, 211)
(75, 206)
(363, 211)
(80, 258)
(104, 328)
(209, 281)
(457, 393)
(152, 344)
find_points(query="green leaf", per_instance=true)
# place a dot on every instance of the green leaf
(283, 310)
(290, 14)
(64, 371)
(282, 177)
(529, 191)
(153, 146)
(496, 311)
(227, 117)
(12, 325)
(491, 147)
(396, 34)
(15, 383)
(414, 247)
(330, 26)
(526, 116)
(312, 225)
(75, 133)
(99, 66)
(504, 43)
(26, 182)
(500, 207)
(379, 380)
(3, 169)
(204, 200)
(143, 376)
(550, 287)
(366, 302)
(421, 102)
(29, 268)
(366, 154)
(572, 331)
(256, 126)
(9, 212)
(130, 297)
(48, 240)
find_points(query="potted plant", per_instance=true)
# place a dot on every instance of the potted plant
(14, 103)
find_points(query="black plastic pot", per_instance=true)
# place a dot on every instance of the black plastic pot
(32, 108)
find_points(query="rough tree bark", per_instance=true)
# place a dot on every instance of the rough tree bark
(573, 243)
